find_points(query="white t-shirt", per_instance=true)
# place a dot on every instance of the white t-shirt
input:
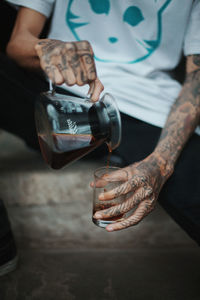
(137, 43)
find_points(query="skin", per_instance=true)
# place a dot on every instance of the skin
(69, 62)
(63, 62)
(147, 177)
(73, 63)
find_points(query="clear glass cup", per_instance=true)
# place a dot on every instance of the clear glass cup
(106, 179)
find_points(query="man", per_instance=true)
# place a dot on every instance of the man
(134, 48)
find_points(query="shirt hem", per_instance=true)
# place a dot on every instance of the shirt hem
(193, 48)
(39, 6)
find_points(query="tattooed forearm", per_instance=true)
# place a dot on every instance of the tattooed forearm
(147, 177)
(184, 116)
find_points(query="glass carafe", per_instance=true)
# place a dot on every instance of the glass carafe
(70, 127)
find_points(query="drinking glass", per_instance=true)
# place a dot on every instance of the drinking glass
(106, 179)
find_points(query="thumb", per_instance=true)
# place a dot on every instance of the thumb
(96, 88)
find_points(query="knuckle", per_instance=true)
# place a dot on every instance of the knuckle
(85, 43)
(149, 191)
(70, 48)
(63, 53)
(48, 70)
(87, 46)
(134, 181)
(69, 45)
(91, 77)
(143, 180)
(56, 51)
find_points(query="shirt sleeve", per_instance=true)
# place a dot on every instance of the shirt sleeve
(192, 37)
(42, 6)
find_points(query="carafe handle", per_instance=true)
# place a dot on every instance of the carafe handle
(51, 88)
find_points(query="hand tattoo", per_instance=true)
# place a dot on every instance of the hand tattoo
(149, 175)
(142, 189)
(72, 62)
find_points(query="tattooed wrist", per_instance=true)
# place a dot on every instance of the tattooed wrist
(183, 118)
(166, 166)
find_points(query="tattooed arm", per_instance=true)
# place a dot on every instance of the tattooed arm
(63, 62)
(184, 116)
(147, 177)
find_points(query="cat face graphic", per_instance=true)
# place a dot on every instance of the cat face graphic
(130, 36)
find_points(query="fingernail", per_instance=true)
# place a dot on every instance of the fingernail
(110, 228)
(97, 215)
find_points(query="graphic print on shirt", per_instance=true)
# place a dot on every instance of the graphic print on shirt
(136, 21)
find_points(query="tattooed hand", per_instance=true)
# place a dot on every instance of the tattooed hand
(71, 63)
(146, 179)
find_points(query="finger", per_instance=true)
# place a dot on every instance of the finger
(118, 175)
(86, 54)
(52, 72)
(56, 68)
(81, 78)
(91, 88)
(98, 89)
(58, 77)
(78, 70)
(66, 70)
(89, 66)
(124, 207)
(122, 189)
(100, 183)
(113, 177)
(72, 60)
(76, 64)
(143, 209)
(130, 185)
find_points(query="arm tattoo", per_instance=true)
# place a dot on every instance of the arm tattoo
(196, 60)
(183, 118)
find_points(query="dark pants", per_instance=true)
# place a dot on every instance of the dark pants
(180, 196)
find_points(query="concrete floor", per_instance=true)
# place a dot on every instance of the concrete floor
(63, 255)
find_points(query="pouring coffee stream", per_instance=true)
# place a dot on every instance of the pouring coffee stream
(70, 127)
